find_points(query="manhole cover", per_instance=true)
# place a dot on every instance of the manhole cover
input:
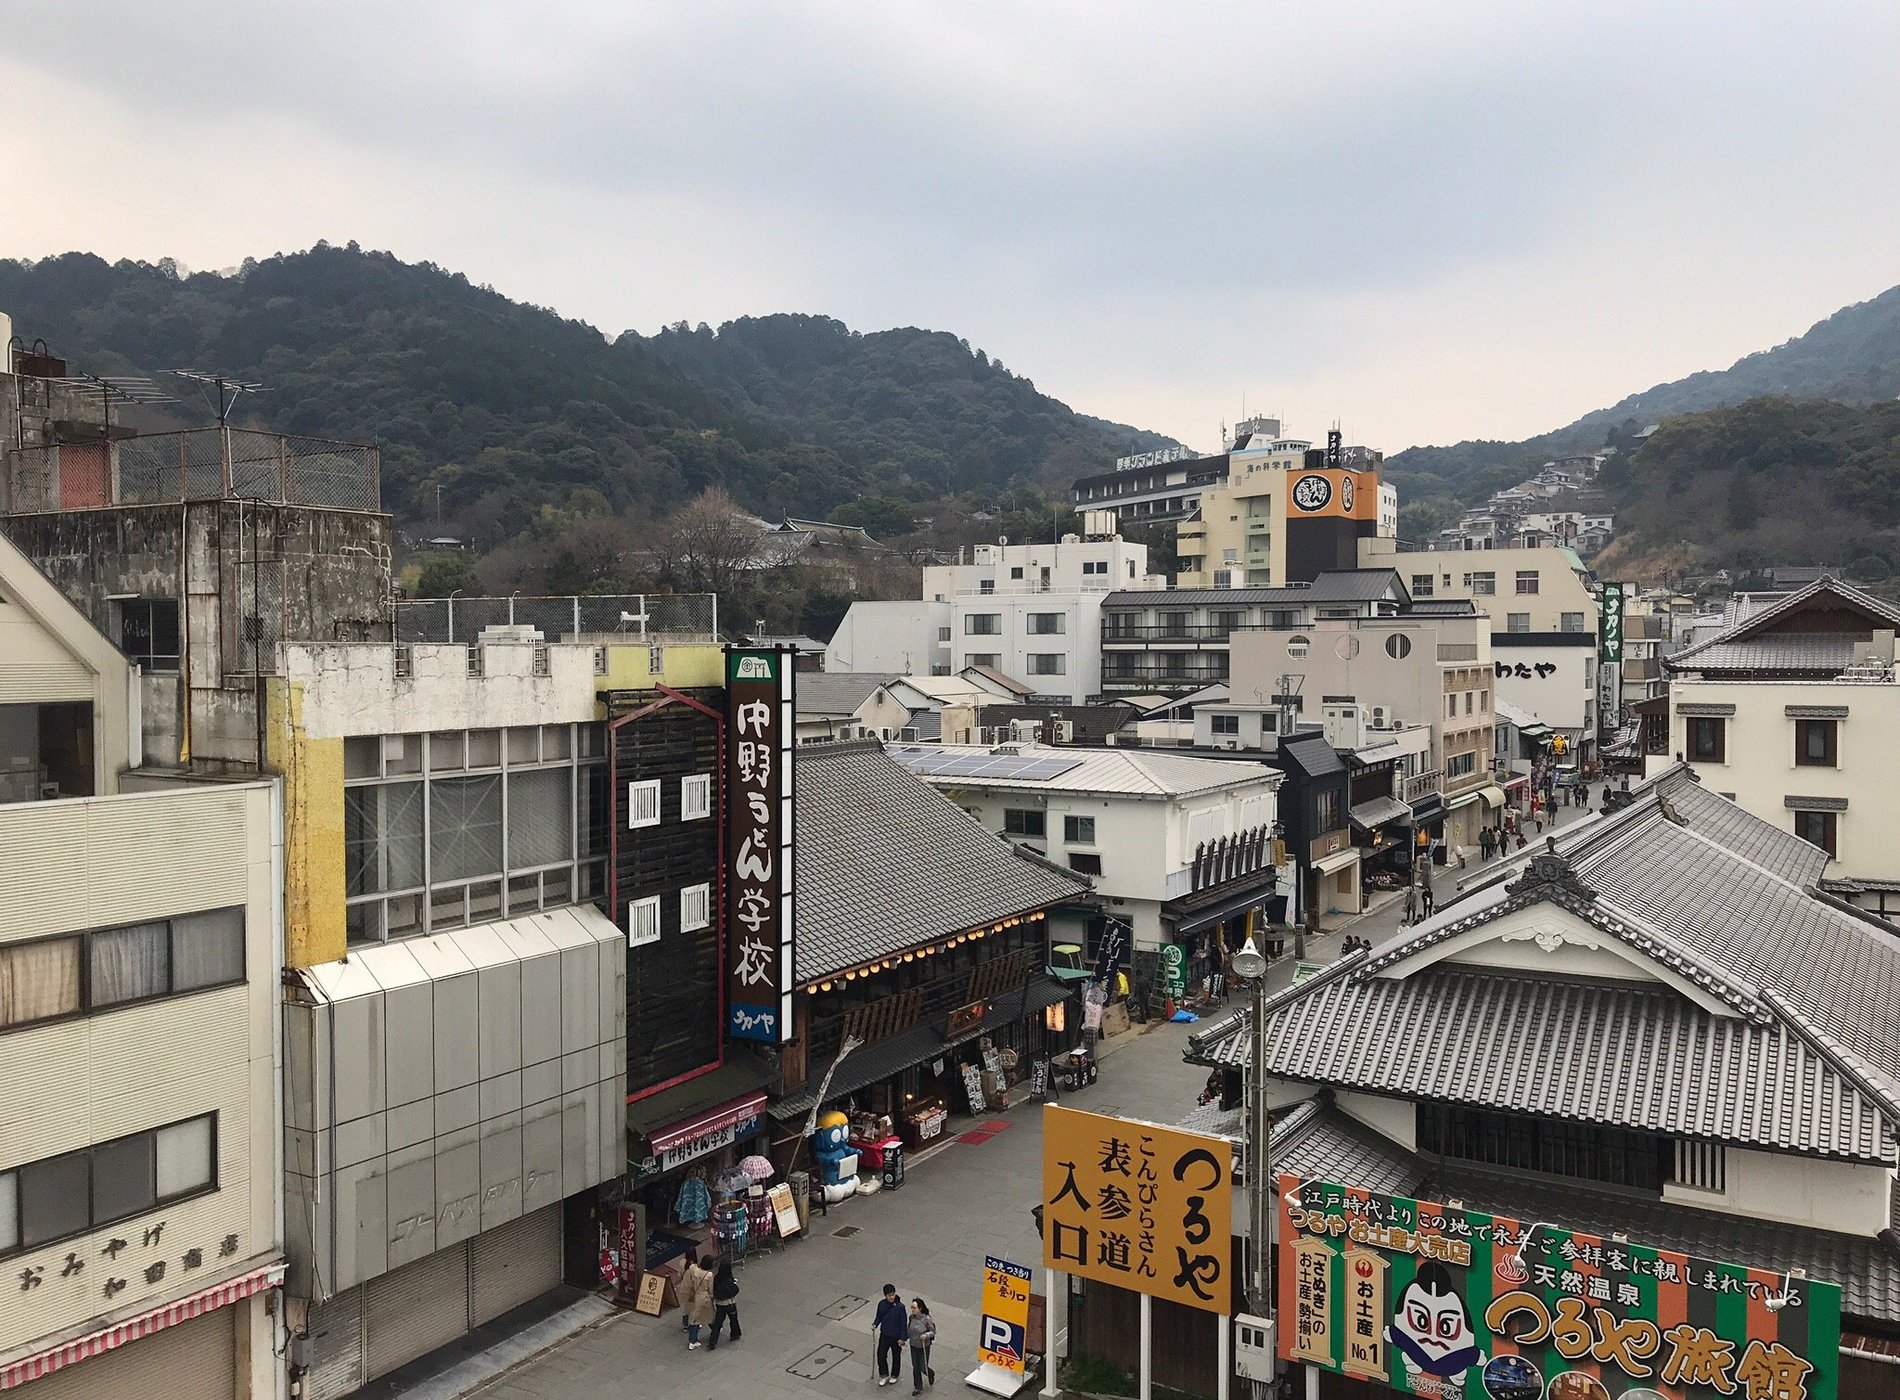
(811, 1367)
(846, 1305)
(845, 1232)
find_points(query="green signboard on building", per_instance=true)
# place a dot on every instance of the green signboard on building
(1436, 1300)
(1610, 632)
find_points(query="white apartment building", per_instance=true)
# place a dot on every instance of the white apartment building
(141, 1235)
(1030, 611)
(1791, 714)
(1141, 825)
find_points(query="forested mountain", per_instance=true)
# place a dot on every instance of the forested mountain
(511, 409)
(924, 411)
(1853, 356)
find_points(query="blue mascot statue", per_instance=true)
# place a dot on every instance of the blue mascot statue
(837, 1160)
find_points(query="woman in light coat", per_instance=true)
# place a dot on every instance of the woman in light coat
(696, 1300)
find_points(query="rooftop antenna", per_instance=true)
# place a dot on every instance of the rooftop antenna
(228, 390)
(120, 389)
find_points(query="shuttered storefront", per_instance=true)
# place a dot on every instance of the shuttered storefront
(369, 1331)
(514, 1264)
(193, 1360)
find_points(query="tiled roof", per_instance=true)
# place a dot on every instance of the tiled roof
(1805, 1057)
(885, 862)
(835, 692)
(1318, 1141)
(1747, 646)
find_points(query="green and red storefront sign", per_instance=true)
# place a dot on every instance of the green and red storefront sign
(1438, 1301)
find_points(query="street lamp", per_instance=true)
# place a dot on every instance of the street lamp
(1251, 967)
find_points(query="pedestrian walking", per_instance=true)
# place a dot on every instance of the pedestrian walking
(696, 1299)
(1411, 904)
(1486, 843)
(725, 1295)
(1458, 854)
(1425, 899)
(922, 1332)
(891, 1327)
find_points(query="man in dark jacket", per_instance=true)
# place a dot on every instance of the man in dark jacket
(892, 1329)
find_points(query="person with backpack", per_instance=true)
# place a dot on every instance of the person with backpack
(725, 1293)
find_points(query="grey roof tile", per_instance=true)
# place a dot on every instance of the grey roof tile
(885, 863)
(835, 692)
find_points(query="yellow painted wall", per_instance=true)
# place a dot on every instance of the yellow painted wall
(314, 929)
(630, 667)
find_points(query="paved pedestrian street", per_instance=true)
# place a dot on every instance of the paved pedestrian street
(807, 1309)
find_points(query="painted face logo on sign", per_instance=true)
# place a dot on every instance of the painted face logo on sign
(1313, 493)
(1432, 1329)
(1345, 494)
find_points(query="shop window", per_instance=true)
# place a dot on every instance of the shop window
(1814, 741)
(1708, 740)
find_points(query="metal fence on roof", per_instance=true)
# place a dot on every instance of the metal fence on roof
(603, 618)
(194, 465)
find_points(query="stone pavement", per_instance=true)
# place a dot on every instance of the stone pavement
(807, 1308)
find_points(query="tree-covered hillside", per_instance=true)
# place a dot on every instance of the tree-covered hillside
(925, 413)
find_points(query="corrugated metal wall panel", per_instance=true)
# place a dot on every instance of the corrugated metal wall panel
(51, 680)
(514, 1264)
(336, 1347)
(40, 839)
(195, 1360)
(414, 1310)
(183, 842)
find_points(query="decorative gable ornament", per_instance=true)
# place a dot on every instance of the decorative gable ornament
(1549, 876)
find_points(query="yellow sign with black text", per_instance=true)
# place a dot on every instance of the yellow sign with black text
(1145, 1208)
(1003, 1337)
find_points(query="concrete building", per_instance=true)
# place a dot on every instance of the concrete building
(1030, 611)
(1150, 486)
(1733, 1098)
(139, 1123)
(1285, 513)
(1400, 671)
(1144, 827)
(1791, 714)
(1543, 608)
(1177, 640)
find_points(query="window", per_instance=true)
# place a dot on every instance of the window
(1230, 556)
(1327, 807)
(1047, 663)
(695, 907)
(1703, 1165)
(1484, 584)
(1297, 647)
(39, 981)
(1226, 724)
(987, 585)
(1707, 740)
(168, 957)
(1398, 646)
(1079, 831)
(1016, 572)
(1527, 581)
(1818, 829)
(1814, 741)
(1467, 702)
(643, 922)
(1451, 707)
(1047, 624)
(1571, 622)
(983, 658)
(475, 660)
(982, 624)
(60, 1197)
(943, 634)
(1422, 585)
(1517, 622)
(643, 803)
(1085, 862)
(148, 632)
(695, 797)
(1484, 702)
(1581, 1151)
(1461, 765)
(538, 659)
(600, 661)
(1176, 624)
(1022, 821)
(1094, 566)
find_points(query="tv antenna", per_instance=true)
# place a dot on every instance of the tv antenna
(119, 389)
(228, 389)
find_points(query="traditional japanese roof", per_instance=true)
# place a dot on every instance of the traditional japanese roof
(1753, 1011)
(819, 694)
(1317, 1141)
(1758, 642)
(885, 863)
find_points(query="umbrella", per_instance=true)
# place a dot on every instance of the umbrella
(756, 1168)
(731, 1182)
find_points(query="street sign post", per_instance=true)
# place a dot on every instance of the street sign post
(1002, 1339)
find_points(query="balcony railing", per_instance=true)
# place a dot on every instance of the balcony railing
(1166, 675)
(195, 465)
(1168, 632)
(1419, 785)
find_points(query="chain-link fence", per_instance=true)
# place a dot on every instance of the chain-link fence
(607, 618)
(195, 465)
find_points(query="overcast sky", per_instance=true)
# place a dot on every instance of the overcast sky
(1426, 220)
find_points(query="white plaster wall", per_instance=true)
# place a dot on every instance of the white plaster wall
(1396, 1118)
(1563, 698)
(351, 689)
(899, 637)
(1844, 1196)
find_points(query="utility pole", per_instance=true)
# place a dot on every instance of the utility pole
(1251, 968)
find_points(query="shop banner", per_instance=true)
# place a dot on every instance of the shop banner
(1142, 1207)
(1002, 1338)
(759, 845)
(1174, 968)
(1438, 1301)
(1332, 492)
(1610, 628)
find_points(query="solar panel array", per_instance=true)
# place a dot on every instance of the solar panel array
(942, 763)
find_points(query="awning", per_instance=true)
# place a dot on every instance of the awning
(1379, 811)
(713, 1119)
(1428, 808)
(1492, 796)
(1220, 910)
(218, 1295)
(1523, 780)
(1338, 860)
(674, 1109)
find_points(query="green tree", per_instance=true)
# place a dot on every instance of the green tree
(447, 574)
